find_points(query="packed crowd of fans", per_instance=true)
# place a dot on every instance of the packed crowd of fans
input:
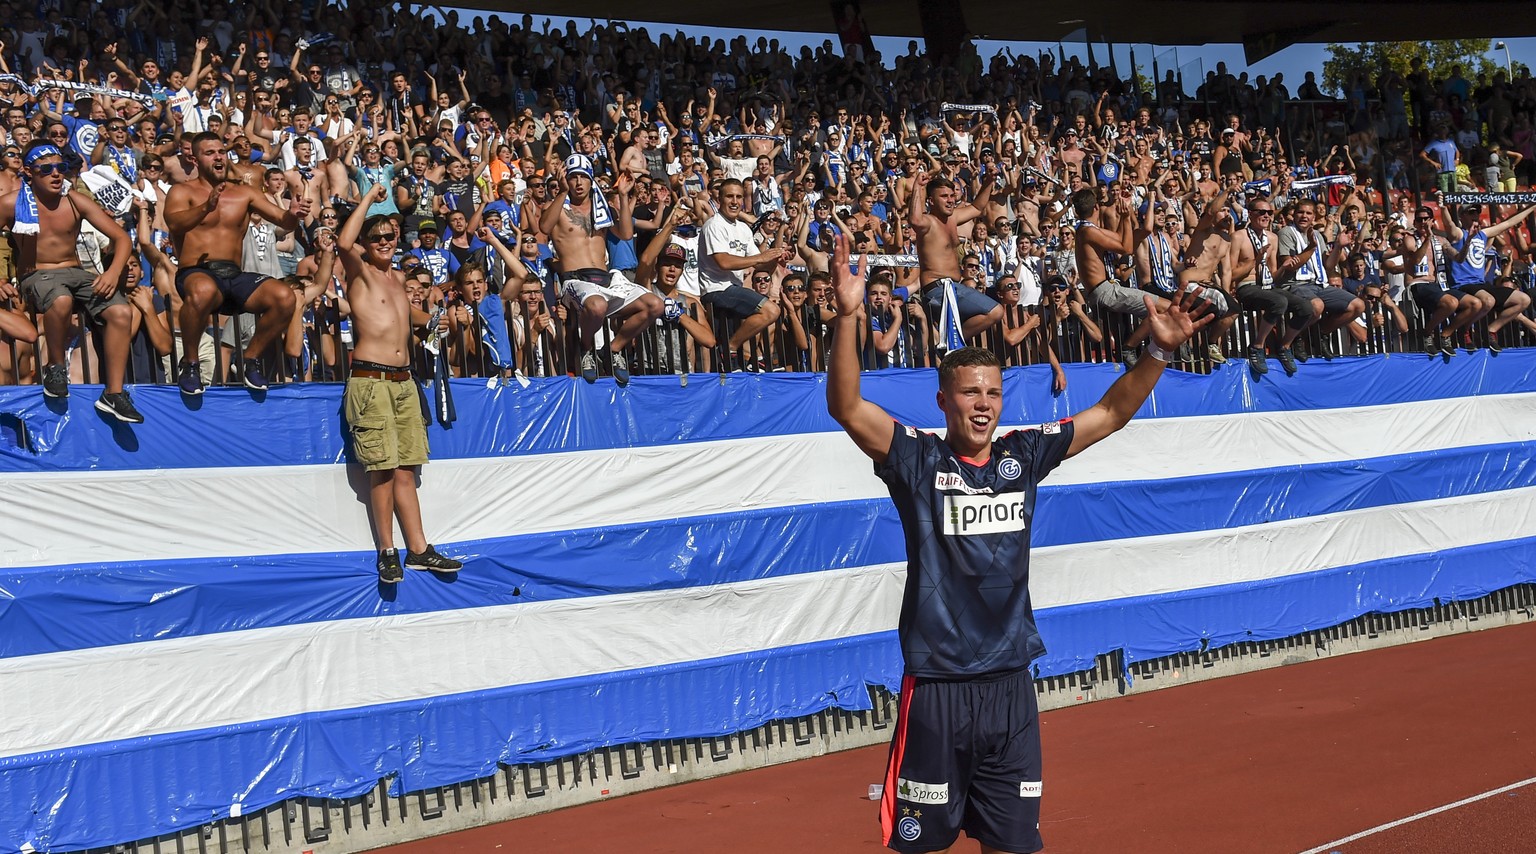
(613, 201)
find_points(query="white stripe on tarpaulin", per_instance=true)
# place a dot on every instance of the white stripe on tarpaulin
(1149, 566)
(132, 690)
(141, 689)
(256, 511)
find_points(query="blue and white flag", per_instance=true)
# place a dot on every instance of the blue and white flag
(951, 337)
(493, 330)
(1261, 187)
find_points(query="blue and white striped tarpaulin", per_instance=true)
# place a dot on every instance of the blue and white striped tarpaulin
(190, 623)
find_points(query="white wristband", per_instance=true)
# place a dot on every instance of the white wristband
(1158, 353)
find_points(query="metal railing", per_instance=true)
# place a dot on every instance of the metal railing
(666, 348)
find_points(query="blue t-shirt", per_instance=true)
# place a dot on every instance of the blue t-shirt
(510, 214)
(440, 261)
(621, 252)
(1473, 270)
(83, 135)
(966, 610)
(1444, 153)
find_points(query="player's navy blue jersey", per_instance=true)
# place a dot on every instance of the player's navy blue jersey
(966, 610)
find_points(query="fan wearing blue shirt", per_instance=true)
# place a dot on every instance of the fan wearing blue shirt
(440, 262)
(1443, 154)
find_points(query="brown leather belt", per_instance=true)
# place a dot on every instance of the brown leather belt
(392, 376)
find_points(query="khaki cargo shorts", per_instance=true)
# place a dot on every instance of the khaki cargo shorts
(384, 418)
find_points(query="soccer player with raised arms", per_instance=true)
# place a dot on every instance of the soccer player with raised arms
(966, 753)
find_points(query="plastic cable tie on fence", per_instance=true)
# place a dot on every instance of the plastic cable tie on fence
(521, 380)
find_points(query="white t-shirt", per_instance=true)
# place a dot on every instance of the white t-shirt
(316, 150)
(721, 236)
(739, 168)
(688, 282)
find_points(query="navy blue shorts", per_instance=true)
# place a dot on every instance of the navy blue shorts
(735, 300)
(968, 300)
(234, 284)
(966, 756)
(1427, 295)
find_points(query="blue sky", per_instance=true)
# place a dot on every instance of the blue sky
(1293, 62)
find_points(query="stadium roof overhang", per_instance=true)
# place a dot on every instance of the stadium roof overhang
(1262, 28)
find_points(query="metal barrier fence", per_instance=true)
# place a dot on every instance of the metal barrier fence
(378, 818)
(798, 342)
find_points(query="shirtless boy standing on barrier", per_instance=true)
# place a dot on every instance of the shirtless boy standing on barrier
(389, 434)
(44, 215)
(936, 214)
(208, 217)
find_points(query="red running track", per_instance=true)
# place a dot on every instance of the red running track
(1283, 760)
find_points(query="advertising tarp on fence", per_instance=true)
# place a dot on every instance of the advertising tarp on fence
(191, 624)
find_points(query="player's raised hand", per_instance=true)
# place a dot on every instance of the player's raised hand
(847, 286)
(1177, 320)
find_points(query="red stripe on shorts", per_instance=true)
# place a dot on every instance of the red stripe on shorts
(893, 767)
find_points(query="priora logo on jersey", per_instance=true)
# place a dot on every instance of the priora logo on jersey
(966, 515)
(1030, 790)
(953, 481)
(914, 792)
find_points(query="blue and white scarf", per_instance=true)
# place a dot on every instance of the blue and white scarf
(1262, 187)
(1161, 252)
(951, 337)
(79, 88)
(442, 392)
(726, 140)
(968, 108)
(313, 39)
(125, 161)
(602, 216)
(1490, 198)
(1314, 184)
(26, 199)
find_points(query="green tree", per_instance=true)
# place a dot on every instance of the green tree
(1370, 58)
